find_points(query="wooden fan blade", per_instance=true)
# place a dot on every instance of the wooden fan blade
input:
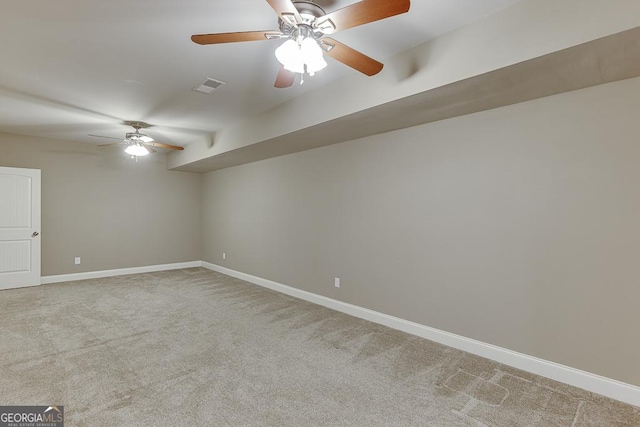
(362, 12)
(285, 78)
(161, 145)
(110, 144)
(286, 11)
(351, 57)
(151, 150)
(107, 137)
(244, 36)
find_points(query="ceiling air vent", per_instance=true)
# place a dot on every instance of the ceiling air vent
(208, 86)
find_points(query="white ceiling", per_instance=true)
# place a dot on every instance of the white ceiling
(75, 67)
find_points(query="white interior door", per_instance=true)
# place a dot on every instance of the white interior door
(19, 227)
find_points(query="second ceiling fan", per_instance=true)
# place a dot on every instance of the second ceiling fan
(306, 25)
(138, 144)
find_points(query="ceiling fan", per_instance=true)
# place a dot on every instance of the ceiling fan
(138, 144)
(306, 25)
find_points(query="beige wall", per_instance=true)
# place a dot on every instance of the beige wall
(100, 205)
(516, 226)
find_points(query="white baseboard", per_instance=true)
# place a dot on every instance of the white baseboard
(595, 383)
(45, 280)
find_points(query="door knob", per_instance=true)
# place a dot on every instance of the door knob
(35, 233)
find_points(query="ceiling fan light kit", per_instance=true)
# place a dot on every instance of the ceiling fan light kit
(301, 55)
(136, 149)
(305, 25)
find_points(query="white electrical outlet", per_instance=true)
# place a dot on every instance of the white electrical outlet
(336, 282)
(224, 255)
(77, 260)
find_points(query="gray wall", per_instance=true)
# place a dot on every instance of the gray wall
(102, 206)
(516, 226)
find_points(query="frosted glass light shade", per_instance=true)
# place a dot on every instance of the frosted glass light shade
(312, 54)
(290, 57)
(295, 56)
(136, 150)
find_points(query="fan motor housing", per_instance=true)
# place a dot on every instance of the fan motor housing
(309, 12)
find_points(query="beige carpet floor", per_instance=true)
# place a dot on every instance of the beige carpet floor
(197, 348)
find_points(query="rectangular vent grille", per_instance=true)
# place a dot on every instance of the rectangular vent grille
(208, 86)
